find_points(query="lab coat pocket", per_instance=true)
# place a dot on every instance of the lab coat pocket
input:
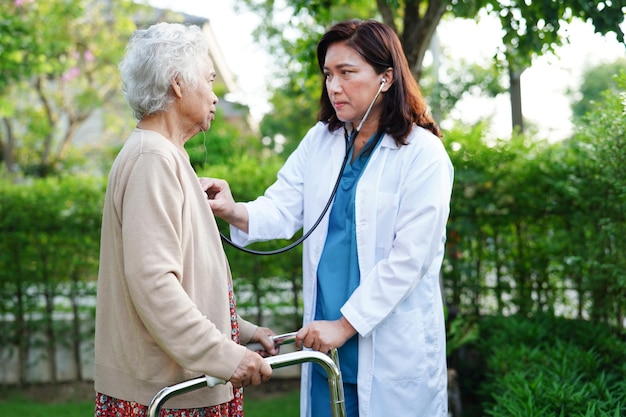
(386, 213)
(400, 353)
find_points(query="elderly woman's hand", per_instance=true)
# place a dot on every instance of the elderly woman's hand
(252, 370)
(264, 336)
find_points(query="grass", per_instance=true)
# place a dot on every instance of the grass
(280, 405)
(20, 407)
(277, 405)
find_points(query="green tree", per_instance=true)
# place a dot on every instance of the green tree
(50, 232)
(530, 30)
(56, 76)
(601, 140)
(596, 80)
(264, 284)
(538, 226)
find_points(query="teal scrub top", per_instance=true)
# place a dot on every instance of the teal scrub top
(338, 272)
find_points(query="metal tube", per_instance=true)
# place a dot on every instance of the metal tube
(182, 387)
(328, 362)
(369, 109)
(281, 339)
(335, 383)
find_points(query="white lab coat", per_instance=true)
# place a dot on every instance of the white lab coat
(402, 206)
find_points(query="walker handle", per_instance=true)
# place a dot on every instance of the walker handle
(182, 387)
(328, 362)
(280, 339)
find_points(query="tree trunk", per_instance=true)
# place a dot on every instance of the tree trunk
(49, 292)
(21, 332)
(515, 90)
(7, 146)
(499, 276)
(76, 339)
(521, 274)
(50, 333)
(418, 30)
(46, 155)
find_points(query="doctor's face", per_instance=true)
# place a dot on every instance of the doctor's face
(352, 84)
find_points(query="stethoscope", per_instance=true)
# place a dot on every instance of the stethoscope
(349, 145)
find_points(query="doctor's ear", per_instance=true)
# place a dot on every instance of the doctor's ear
(387, 79)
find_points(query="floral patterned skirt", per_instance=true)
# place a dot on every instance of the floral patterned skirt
(107, 406)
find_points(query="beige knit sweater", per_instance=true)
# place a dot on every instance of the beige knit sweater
(162, 311)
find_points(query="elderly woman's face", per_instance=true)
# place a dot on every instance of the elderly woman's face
(198, 104)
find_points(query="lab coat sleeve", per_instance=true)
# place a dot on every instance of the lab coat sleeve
(416, 237)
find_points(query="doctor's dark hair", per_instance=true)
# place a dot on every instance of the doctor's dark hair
(378, 44)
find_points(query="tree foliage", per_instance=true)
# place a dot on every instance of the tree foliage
(262, 281)
(26, 47)
(50, 232)
(56, 76)
(596, 80)
(529, 29)
(534, 222)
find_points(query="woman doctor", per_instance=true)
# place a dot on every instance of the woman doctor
(371, 268)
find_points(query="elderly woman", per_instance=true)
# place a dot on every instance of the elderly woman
(165, 308)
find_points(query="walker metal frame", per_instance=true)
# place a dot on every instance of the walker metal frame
(330, 363)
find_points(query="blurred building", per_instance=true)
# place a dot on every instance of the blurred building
(231, 112)
(226, 83)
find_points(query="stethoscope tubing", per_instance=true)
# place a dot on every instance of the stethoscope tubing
(349, 145)
(317, 222)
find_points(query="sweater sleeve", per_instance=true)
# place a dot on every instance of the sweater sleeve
(246, 330)
(152, 225)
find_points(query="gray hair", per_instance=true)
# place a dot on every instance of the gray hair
(155, 56)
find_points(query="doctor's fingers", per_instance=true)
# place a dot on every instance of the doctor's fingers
(315, 343)
(206, 182)
(222, 205)
(212, 185)
(320, 346)
(301, 336)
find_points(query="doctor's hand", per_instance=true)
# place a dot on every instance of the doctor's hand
(219, 195)
(223, 204)
(325, 335)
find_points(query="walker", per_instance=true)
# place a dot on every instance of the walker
(329, 362)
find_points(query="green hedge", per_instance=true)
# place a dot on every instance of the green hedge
(549, 366)
(49, 251)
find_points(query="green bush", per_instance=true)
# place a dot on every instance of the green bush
(550, 366)
(49, 249)
(265, 285)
